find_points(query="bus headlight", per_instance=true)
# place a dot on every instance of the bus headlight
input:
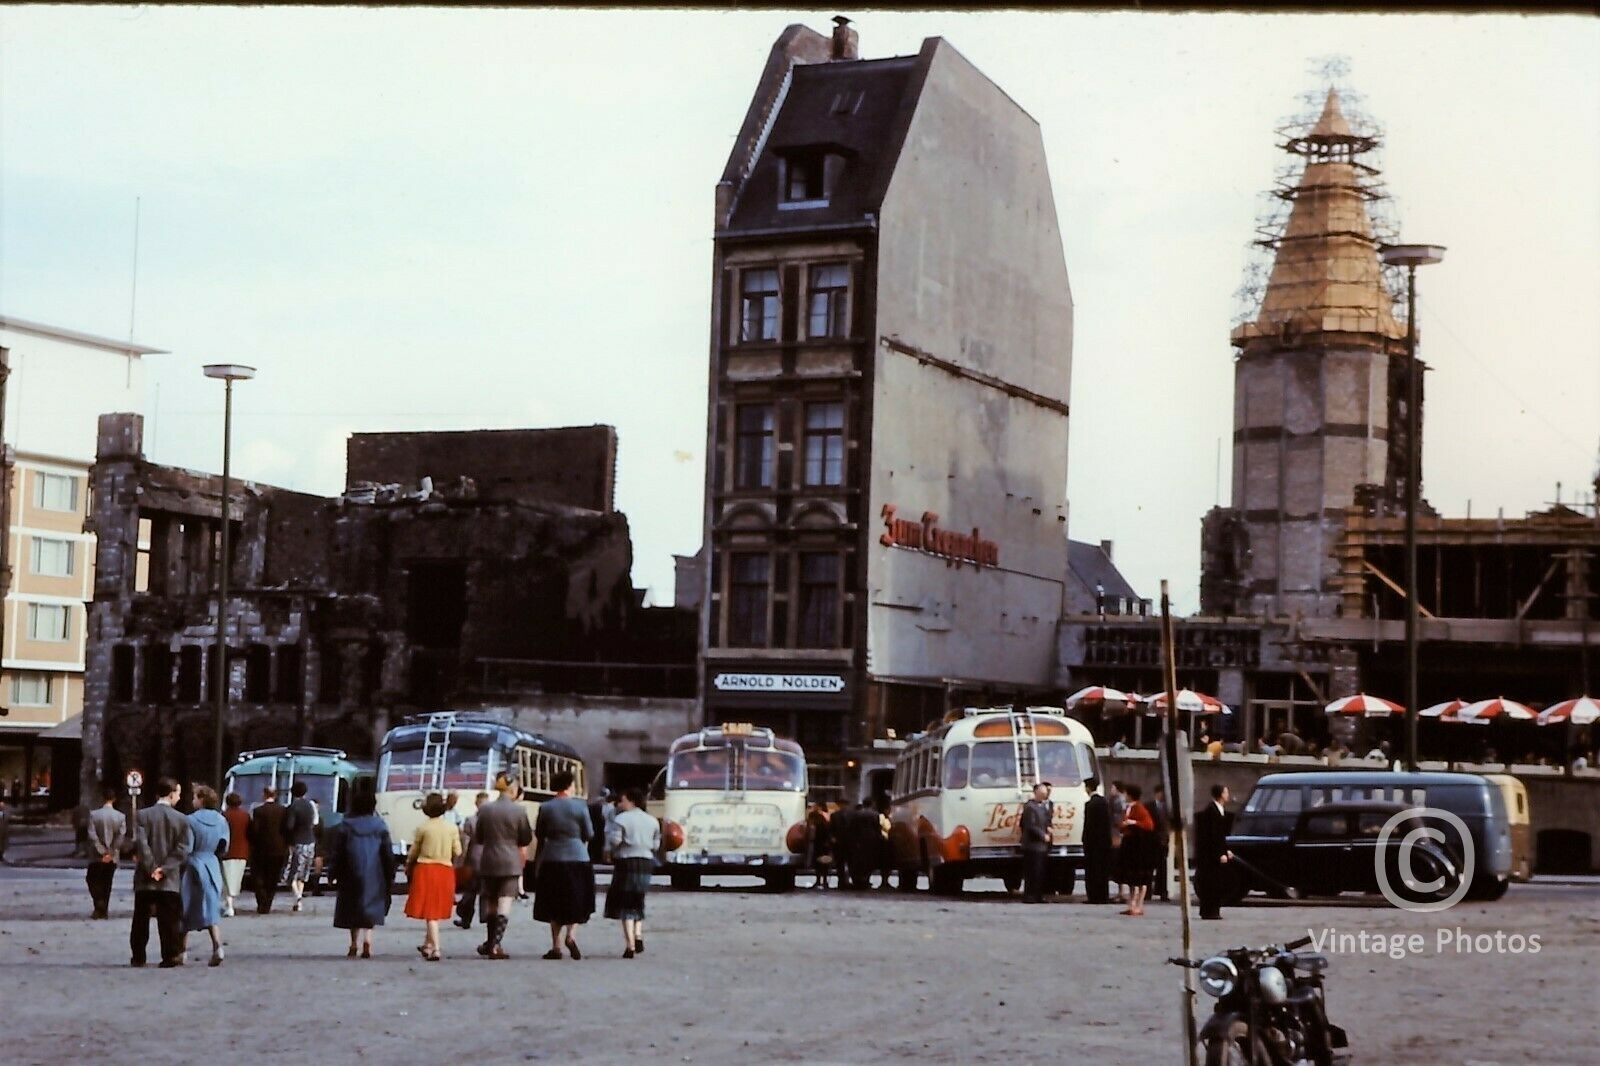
(1274, 986)
(671, 835)
(1218, 976)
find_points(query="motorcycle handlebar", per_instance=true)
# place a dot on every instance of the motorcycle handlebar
(1298, 944)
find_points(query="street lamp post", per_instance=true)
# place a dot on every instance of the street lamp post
(227, 373)
(1412, 256)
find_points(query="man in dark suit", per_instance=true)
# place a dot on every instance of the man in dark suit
(268, 848)
(164, 839)
(1096, 844)
(1037, 815)
(1211, 828)
(1161, 814)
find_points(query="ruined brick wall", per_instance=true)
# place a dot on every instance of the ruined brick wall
(574, 466)
(347, 614)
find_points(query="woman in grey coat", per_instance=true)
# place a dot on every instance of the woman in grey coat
(202, 876)
(563, 894)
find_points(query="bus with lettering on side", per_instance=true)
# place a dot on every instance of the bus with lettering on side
(450, 751)
(959, 790)
(732, 800)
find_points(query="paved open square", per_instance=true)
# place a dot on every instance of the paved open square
(734, 975)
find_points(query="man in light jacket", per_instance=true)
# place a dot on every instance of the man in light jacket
(107, 830)
(164, 839)
(503, 833)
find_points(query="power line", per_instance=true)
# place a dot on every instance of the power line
(1528, 409)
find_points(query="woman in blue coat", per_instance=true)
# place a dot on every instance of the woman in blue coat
(201, 889)
(363, 862)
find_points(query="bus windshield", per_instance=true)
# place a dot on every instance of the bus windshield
(1058, 763)
(250, 786)
(774, 771)
(994, 764)
(321, 789)
(707, 768)
(468, 765)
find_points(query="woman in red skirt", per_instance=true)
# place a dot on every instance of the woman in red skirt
(431, 873)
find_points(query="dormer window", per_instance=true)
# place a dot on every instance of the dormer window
(809, 176)
(804, 179)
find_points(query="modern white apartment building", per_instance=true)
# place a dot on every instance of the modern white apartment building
(55, 383)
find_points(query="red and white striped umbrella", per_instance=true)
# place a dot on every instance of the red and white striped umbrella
(1365, 706)
(1446, 710)
(1190, 701)
(1499, 707)
(1097, 694)
(1585, 710)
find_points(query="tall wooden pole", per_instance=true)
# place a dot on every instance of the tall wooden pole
(1180, 801)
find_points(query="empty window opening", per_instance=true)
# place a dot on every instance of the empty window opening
(436, 604)
(122, 673)
(257, 673)
(189, 666)
(287, 689)
(157, 674)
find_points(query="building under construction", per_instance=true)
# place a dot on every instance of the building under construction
(1302, 584)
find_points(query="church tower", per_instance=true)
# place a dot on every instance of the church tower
(1319, 381)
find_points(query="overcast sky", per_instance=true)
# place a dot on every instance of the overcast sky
(424, 219)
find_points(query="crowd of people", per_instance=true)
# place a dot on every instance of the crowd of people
(846, 845)
(189, 868)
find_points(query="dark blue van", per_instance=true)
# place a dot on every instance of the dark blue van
(1274, 805)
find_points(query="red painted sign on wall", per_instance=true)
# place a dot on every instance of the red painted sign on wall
(926, 536)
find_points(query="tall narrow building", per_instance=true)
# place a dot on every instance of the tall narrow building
(887, 419)
(1319, 388)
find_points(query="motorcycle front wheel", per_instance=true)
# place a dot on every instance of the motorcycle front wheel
(1231, 1048)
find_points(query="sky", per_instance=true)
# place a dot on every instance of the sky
(414, 219)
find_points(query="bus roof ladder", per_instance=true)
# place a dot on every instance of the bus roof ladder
(1027, 749)
(435, 744)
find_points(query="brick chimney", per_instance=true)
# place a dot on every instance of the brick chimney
(846, 42)
(1105, 548)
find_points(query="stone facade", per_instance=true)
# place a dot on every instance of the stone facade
(346, 613)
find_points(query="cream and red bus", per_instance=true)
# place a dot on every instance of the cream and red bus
(959, 790)
(732, 800)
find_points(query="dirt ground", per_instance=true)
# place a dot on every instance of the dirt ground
(739, 976)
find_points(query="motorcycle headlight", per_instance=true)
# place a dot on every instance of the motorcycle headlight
(1218, 976)
(1274, 986)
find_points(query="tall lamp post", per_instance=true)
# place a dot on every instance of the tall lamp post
(227, 373)
(1412, 256)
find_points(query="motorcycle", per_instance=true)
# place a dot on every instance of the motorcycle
(1271, 1008)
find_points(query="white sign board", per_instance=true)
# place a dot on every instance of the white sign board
(778, 683)
(134, 780)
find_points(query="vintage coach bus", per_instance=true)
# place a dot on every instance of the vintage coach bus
(447, 751)
(959, 790)
(732, 800)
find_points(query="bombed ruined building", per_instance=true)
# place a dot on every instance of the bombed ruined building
(449, 555)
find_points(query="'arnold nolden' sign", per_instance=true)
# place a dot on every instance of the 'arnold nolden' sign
(778, 683)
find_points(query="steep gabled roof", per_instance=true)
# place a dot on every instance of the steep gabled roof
(848, 107)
